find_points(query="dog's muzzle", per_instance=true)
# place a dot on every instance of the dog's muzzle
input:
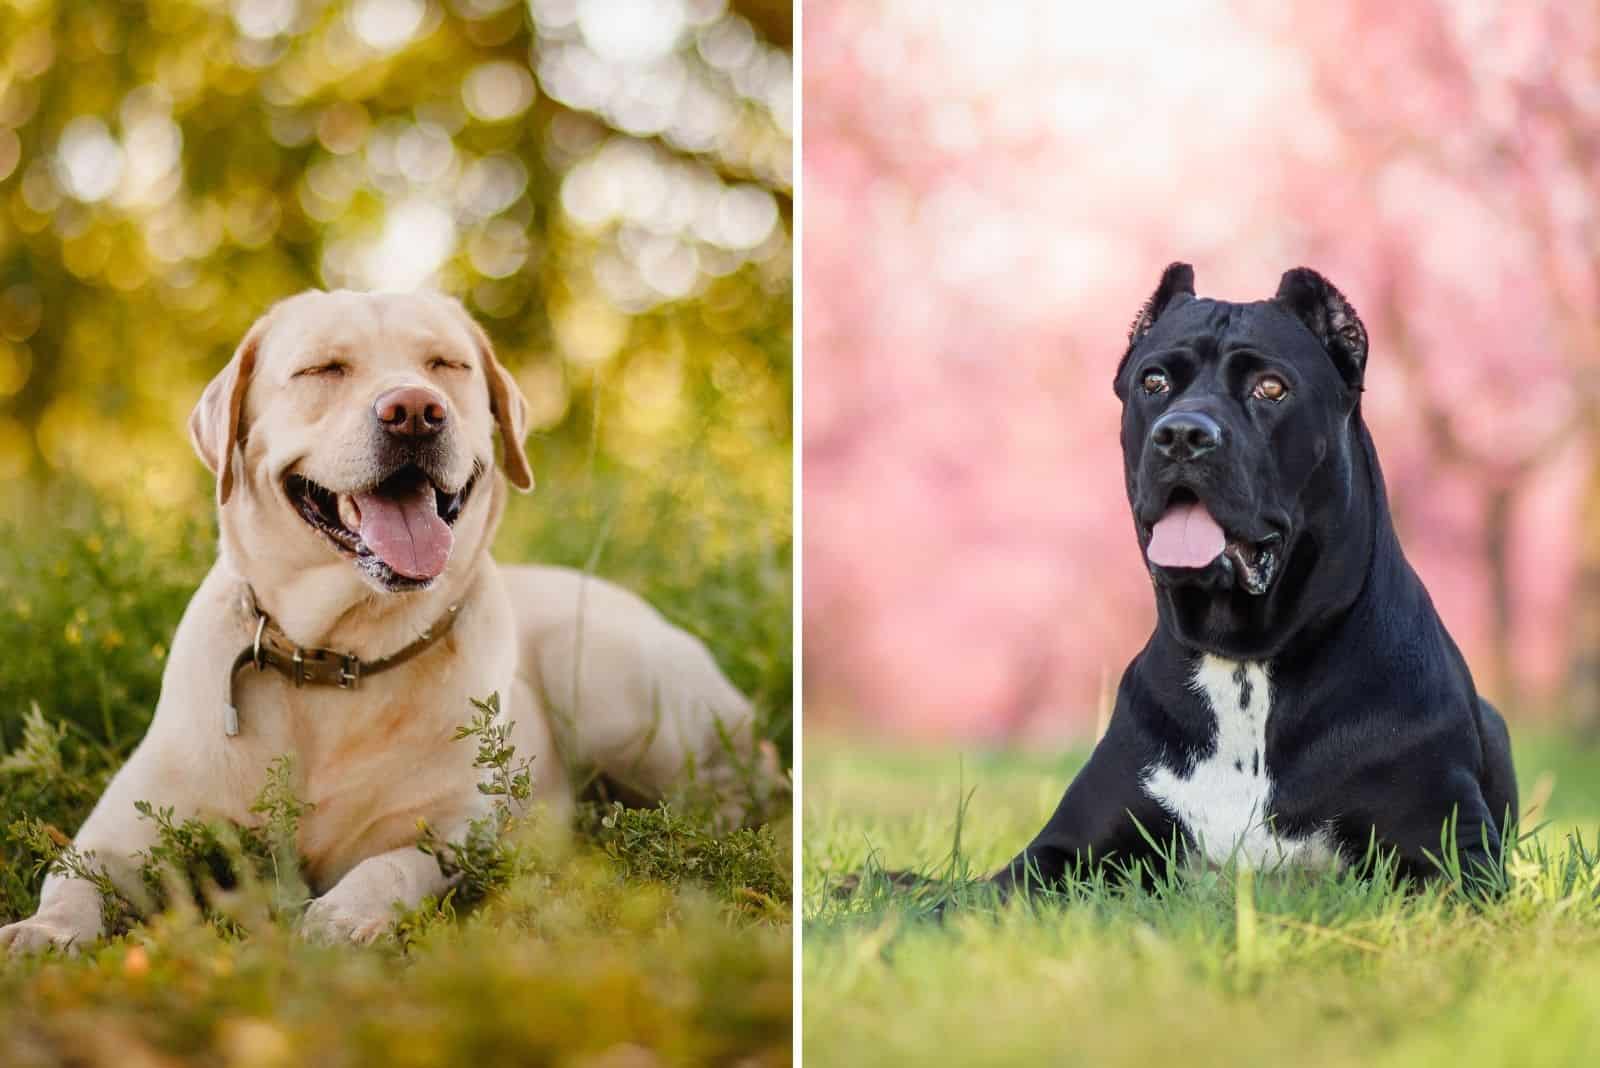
(1188, 544)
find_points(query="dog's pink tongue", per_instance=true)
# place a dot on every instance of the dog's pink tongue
(1186, 536)
(405, 531)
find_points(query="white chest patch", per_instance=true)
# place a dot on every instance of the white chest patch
(1222, 801)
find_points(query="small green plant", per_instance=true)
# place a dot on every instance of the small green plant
(485, 857)
(198, 857)
(57, 854)
(747, 867)
(47, 781)
(194, 858)
(508, 780)
(277, 836)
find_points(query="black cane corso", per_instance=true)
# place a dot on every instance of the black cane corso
(1300, 700)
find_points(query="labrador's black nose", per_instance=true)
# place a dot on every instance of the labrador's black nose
(411, 412)
(1185, 435)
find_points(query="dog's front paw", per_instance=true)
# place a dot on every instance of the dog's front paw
(39, 933)
(331, 918)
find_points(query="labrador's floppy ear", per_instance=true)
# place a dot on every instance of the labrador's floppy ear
(214, 423)
(1175, 287)
(509, 406)
(1318, 304)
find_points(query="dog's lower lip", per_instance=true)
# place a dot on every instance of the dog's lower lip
(1255, 564)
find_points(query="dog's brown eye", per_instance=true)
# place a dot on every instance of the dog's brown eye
(1156, 382)
(1270, 388)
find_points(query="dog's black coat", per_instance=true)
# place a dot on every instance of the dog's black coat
(1375, 731)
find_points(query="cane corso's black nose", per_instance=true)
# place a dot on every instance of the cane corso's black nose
(411, 412)
(1185, 435)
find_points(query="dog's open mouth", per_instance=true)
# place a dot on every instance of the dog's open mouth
(399, 530)
(1186, 537)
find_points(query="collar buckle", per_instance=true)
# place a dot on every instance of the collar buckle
(349, 672)
(318, 667)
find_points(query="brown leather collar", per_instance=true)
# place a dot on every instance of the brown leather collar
(317, 667)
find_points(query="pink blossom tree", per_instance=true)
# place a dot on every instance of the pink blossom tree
(989, 195)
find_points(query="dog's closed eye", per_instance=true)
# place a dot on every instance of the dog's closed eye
(326, 369)
(440, 363)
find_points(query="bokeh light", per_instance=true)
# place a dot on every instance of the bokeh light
(603, 184)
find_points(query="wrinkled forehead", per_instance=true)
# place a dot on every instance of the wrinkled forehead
(1210, 327)
(365, 324)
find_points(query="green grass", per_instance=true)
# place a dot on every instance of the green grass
(1220, 968)
(648, 935)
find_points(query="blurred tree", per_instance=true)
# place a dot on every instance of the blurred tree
(1491, 117)
(991, 192)
(607, 185)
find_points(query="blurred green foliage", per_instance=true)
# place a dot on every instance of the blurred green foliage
(169, 168)
(571, 964)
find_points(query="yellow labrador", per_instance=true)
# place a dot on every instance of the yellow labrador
(354, 610)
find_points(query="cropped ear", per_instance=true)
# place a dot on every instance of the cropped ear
(1332, 320)
(1176, 287)
(1176, 281)
(214, 423)
(509, 406)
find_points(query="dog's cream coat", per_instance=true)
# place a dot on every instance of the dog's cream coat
(590, 674)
